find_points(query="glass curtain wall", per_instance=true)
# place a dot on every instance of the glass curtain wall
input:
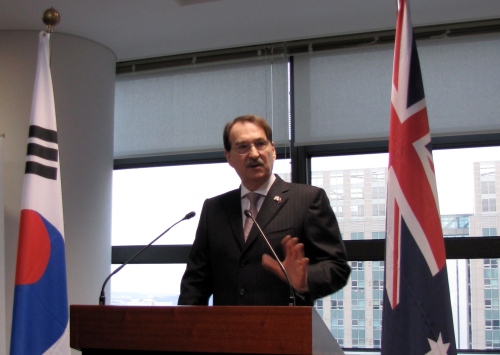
(340, 113)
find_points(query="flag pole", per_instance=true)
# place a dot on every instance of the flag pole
(51, 18)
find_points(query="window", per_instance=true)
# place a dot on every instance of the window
(378, 192)
(144, 206)
(336, 180)
(490, 232)
(354, 181)
(378, 209)
(357, 210)
(487, 186)
(357, 236)
(378, 235)
(319, 307)
(377, 275)
(491, 304)
(488, 205)
(317, 177)
(357, 184)
(353, 314)
(337, 316)
(470, 281)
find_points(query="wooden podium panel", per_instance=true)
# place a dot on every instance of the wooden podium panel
(199, 329)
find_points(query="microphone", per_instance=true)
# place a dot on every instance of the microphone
(291, 301)
(102, 297)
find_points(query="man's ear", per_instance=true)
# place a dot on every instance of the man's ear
(228, 157)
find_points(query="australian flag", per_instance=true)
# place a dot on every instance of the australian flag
(40, 317)
(417, 316)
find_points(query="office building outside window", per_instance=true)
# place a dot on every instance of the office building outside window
(474, 284)
(354, 314)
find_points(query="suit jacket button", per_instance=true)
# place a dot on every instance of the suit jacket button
(243, 263)
(242, 292)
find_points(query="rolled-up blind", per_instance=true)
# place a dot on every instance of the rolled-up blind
(344, 95)
(185, 110)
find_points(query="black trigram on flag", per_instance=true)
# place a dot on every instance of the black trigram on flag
(42, 153)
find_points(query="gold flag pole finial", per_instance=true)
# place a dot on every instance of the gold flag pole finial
(50, 19)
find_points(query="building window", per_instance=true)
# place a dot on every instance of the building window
(338, 210)
(317, 178)
(487, 183)
(488, 205)
(378, 235)
(491, 304)
(357, 184)
(358, 304)
(318, 304)
(336, 185)
(378, 192)
(337, 316)
(490, 232)
(378, 209)
(487, 187)
(378, 301)
(357, 235)
(357, 210)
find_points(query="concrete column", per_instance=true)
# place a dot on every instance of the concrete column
(83, 75)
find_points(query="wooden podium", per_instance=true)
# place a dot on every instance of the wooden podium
(199, 330)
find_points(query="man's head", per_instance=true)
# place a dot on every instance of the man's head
(249, 149)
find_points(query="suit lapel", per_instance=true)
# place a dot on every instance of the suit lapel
(233, 211)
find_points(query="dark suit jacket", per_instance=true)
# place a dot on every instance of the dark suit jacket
(222, 264)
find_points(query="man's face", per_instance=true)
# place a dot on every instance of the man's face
(251, 155)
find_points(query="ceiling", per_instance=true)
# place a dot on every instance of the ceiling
(138, 29)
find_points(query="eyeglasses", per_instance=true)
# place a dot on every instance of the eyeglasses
(244, 147)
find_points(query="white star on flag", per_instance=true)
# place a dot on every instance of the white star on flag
(438, 348)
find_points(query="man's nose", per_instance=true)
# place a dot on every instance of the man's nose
(253, 152)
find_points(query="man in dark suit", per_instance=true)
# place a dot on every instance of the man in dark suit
(296, 218)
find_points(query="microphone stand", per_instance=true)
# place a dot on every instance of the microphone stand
(102, 297)
(291, 300)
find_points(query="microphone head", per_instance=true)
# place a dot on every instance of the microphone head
(190, 215)
(248, 213)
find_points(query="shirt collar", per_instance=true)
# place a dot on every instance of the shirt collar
(263, 190)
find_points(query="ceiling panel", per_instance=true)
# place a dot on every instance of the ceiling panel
(135, 29)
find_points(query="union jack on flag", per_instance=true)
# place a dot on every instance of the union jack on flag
(417, 316)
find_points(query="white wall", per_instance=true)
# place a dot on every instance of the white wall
(83, 74)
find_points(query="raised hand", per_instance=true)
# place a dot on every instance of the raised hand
(295, 263)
